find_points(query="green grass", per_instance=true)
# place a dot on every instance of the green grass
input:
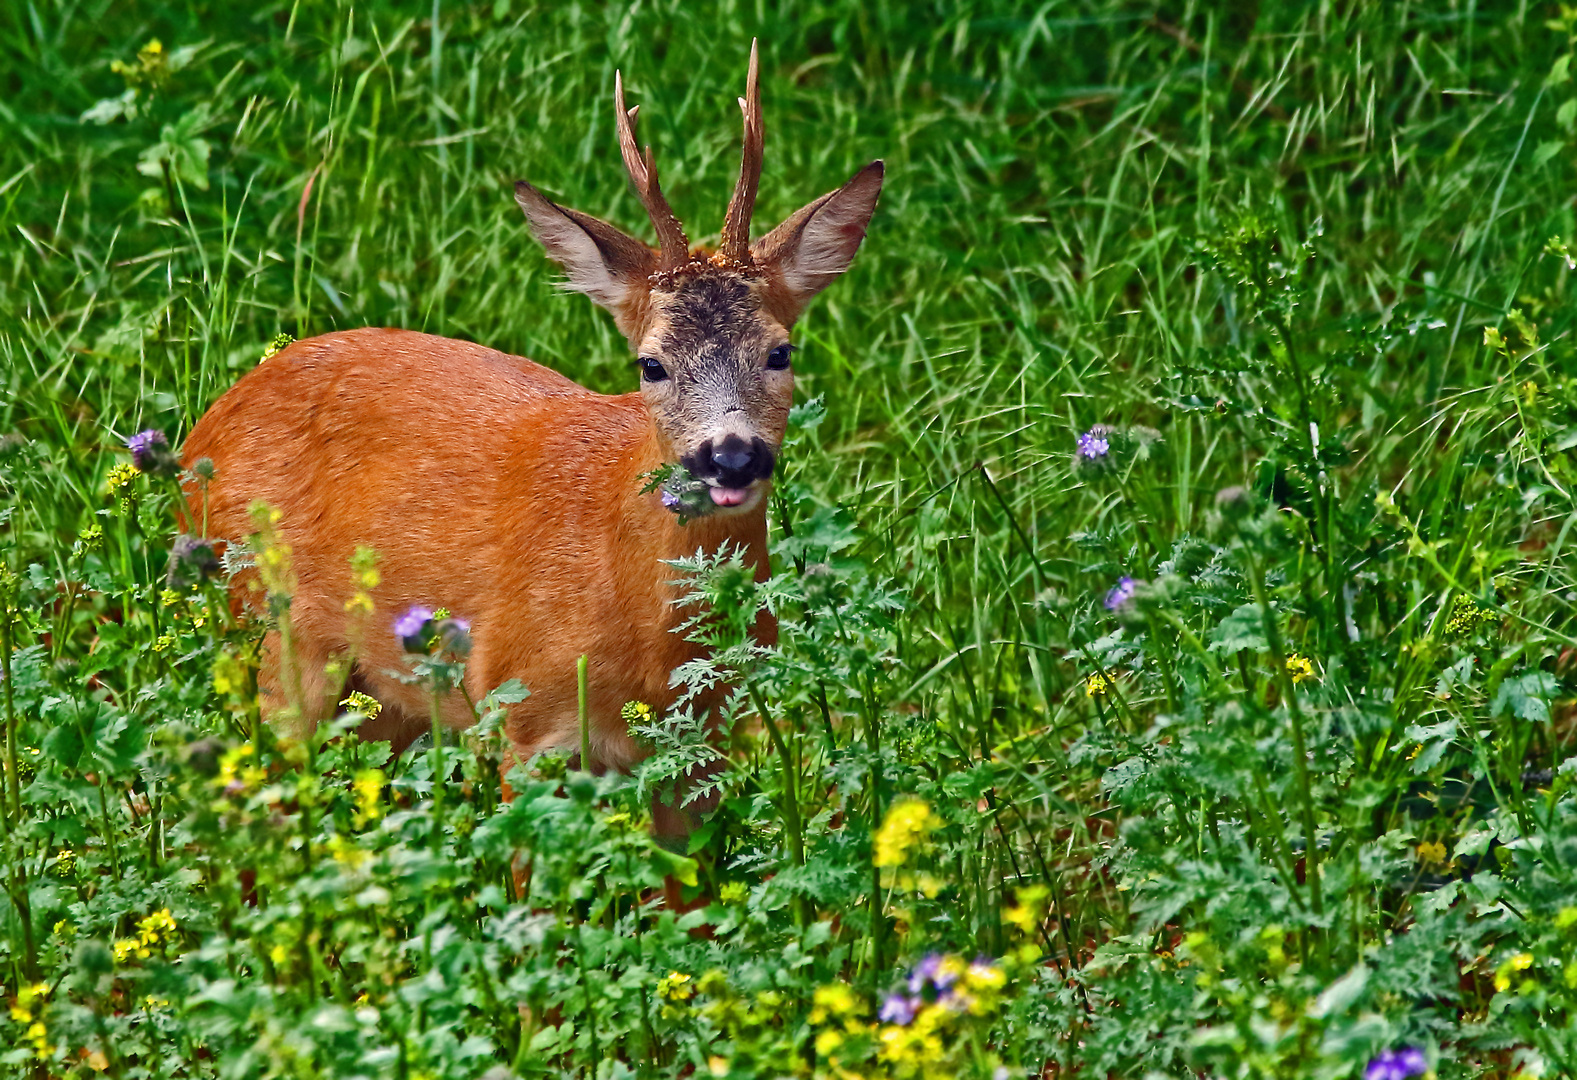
(1260, 243)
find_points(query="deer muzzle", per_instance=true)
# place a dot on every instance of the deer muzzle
(731, 465)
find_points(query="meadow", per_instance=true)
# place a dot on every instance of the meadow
(1172, 549)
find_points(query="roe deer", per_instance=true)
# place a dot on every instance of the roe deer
(511, 495)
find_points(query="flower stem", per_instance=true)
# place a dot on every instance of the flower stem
(1300, 762)
(790, 805)
(438, 768)
(12, 788)
(583, 713)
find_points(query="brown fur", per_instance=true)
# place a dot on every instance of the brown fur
(510, 495)
(488, 484)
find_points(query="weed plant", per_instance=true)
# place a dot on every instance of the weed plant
(1172, 551)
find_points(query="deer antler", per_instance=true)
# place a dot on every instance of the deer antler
(672, 244)
(735, 246)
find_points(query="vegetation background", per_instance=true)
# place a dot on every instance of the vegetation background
(1296, 799)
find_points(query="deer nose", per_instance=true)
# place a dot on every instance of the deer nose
(733, 461)
(733, 455)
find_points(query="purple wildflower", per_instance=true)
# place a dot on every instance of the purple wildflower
(192, 560)
(410, 628)
(925, 971)
(150, 453)
(143, 443)
(1126, 587)
(1397, 1064)
(670, 500)
(454, 635)
(932, 972)
(1093, 444)
(1412, 1059)
(897, 1009)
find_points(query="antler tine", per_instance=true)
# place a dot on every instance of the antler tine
(735, 245)
(672, 244)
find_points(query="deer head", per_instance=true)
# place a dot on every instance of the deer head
(710, 329)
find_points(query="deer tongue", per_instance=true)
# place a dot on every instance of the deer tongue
(723, 496)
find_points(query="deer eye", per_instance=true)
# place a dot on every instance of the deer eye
(651, 370)
(778, 358)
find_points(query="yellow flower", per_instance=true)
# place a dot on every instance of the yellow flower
(1519, 962)
(235, 777)
(833, 1001)
(26, 995)
(346, 853)
(635, 712)
(129, 948)
(1466, 617)
(154, 928)
(1029, 911)
(827, 1042)
(908, 824)
(38, 1035)
(675, 986)
(1300, 668)
(278, 343)
(278, 954)
(1096, 685)
(165, 642)
(366, 704)
(734, 892)
(368, 786)
(984, 983)
(121, 475)
(1431, 853)
(232, 675)
(22, 1012)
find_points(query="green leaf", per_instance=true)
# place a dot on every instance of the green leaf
(669, 863)
(181, 150)
(1526, 696)
(1341, 994)
(827, 532)
(108, 110)
(1547, 150)
(1566, 116)
(63, 745)
(1434, 739)
(1243, 629)
(806, 416)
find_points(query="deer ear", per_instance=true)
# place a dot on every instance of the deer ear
(606, 264)
(817, 243)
